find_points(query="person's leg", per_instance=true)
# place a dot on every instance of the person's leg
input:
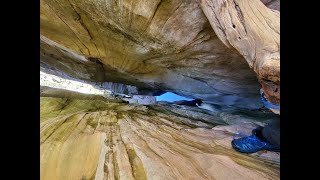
(272, 132)
(262, 138)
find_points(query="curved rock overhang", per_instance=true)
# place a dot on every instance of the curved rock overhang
(154, 45)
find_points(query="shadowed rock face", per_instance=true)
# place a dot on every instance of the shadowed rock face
(253, 29)
(154, 45)
(90, 137)
(148, 47)
(272, 4)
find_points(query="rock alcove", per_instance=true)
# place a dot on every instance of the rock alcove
(123, 54)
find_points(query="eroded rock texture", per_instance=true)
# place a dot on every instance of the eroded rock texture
(89, 138)
(200, 49)
(254, 30)
(155, 45)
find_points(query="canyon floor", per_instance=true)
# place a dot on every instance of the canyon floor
(90, 137)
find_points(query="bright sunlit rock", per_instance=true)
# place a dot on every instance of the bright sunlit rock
(61, 83)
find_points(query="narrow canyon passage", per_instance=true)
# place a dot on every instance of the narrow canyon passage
(156, 89)
(90, 137)
(119, 141)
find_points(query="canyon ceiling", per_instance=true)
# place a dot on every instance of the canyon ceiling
(166, 45)
(219, 51)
